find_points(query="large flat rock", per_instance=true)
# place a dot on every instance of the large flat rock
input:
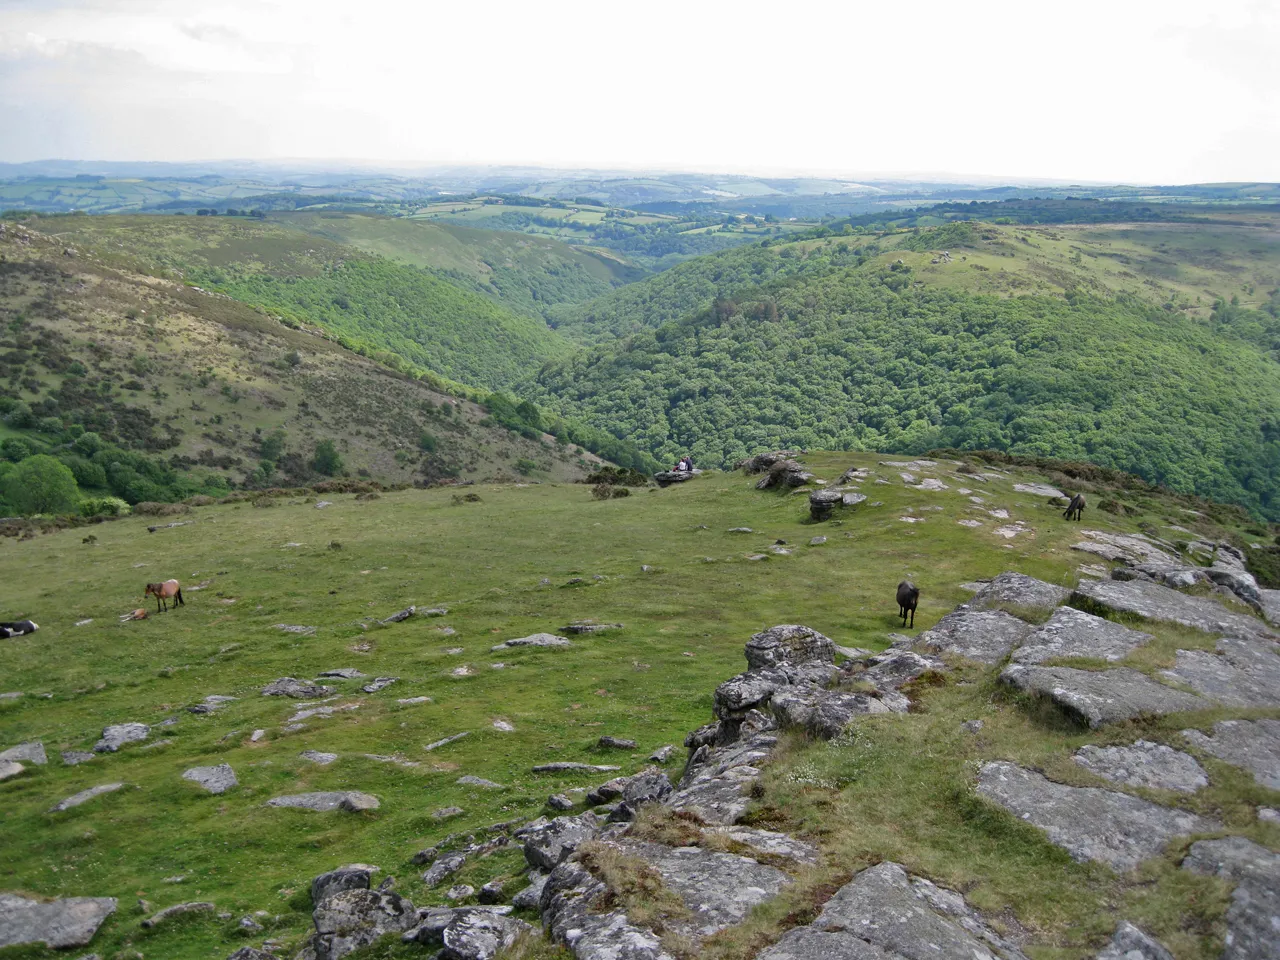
(1155, 602)
(349, 800)
(983, 635)
(1101, 696)
(117, 735)
(78, 798)
(1127, 548)
(719, 889)
(62, 923)
(1242, 673)
(567, 905)
(1253, 919)
(883, 914)
(218, 779)
(1072, 633)
(1253, 745)
(1144, 764)
(1012, 589)
(1113, 828)
(31, 752)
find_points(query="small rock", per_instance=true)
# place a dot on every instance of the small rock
(434, 612)
(353, 876)
(257, 735)
(70, 922)
(315, 756)
(503, 726)
(400, 615)
(416, 700)
(443, 868)
(470, 781)
(531, 896)
(491, 892)
(662, 754)
(971, 726)
(32, 752)
(379, 684)
(343, 673)
(348, 800)
(460, 892)
(535, 640)
(441, 743)
(567, 767)
(558, 801)
(1130, 943)
(741, 530)
(116, 736)
(616, 743)
(447, 813)
(297, 689)
(294, 628)
(324, 503)
(249, 925)
(10, 768)
(73, 757)
(178, 910)
(217, 779)
(78, 798)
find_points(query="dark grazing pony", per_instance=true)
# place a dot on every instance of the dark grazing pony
(163, 592)
(908, 599)
(18, 628)
(1075, 508)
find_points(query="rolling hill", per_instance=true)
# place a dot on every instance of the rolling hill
(368, 301)
(528, 273)
(200, 389)
(1133, 347)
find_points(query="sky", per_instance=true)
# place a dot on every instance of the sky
(1119, 91)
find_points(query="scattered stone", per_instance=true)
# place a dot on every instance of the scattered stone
(1112, 828)
(444, 868)
(164, 743)
(566, 767)
(71, 922)
(1144, 764)
(217, 779)
(349, 800)
(480, 934)
(535, 640)
(380, 683)
(1269, 815)
(297, 689)
(353, 876)
(470, 781)
(1155, 602)
(31, 751)
(1073, 633)
(884, 914)
(1130, 549)
(569, 895)
(741, 530)
(1040, 490)
(982, 635)
(931, 484)
(353, 919)
(295, 628)
(441, 743)
(1252, 930)
(343, 673)
(1100, 697)
(1244, 673)
(460, 892)
(416, 700)
(587, 626)
(969, 523)
(12, 695)
(503, 726)
(320, 505)
(971, 726)
(73, 757)
(116, 736)
(531, 896)
(10, 768)
(400, 615)
(78, 798)
(617, 743)
(322, 712)
(546, 846)
(1018, 590)
(249, 925)
(1252, 745)
(447, 813)
(434, 612)
(558, 801)
(178, 910)
(1130, 943)
(315, 756)
(817, 541)
(662, 754)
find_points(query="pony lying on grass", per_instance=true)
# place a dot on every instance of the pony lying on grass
(18, 628)
(164, 592)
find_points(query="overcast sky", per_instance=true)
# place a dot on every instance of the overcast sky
(1158, 91)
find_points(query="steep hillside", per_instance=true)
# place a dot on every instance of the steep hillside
(527, 273)
(1043, 341)
(686, 588)
(204, 384)
(367, 301)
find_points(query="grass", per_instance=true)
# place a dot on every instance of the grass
(900, 788)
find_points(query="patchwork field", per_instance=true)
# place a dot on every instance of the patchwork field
(515, 560)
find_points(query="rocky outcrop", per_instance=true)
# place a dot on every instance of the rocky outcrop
(31, 752)
(1144, 764)
(885, 914)
(763, 461)
(353, 876)
(1130, 943)
(1252, 745)
(824, 503)
(549, 843)
(1072, 633)
(535, 640)
(1151, 601)
(351, 919)
(1112, 828)
(1242, 672)
(784, 475)
(349, 800)
(1102, 696)
(665, 478)
(568, 917)
(1253, 932)
(985, 636)
(71, 922)
(1011, 589)
(178, 910)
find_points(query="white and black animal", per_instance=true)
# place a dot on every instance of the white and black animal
(18, 628)
(1075, 508)
(908, 599)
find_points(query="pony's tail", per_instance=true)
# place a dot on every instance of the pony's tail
(179, 595)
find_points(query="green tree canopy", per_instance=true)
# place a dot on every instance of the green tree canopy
(41, 484)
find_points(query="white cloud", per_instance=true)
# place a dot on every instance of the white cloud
(1163, 92)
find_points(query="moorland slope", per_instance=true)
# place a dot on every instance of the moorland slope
(687, 574)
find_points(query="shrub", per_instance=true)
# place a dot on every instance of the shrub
(602, 491)
(20, 417)
(16, 448)
(41, 484)
(150, 508)
(525, 466)
(427, 442)
(327, 460)
(104, 507)
(620, 492)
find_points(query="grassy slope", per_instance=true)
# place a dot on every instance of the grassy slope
(411, 312)
(941, 354)
(890, 790)
(527, 273)
(211, 371)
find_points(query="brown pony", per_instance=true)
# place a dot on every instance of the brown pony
(163, 592)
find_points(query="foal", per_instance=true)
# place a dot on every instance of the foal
(163, 592)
